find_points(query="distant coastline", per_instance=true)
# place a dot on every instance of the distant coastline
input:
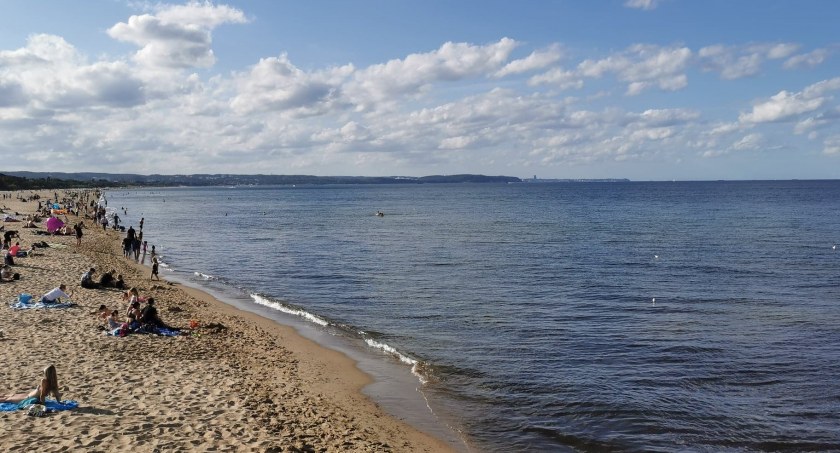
(109, 179)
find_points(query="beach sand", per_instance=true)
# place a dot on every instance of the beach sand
(239, 382)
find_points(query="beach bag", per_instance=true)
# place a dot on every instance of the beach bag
(123, 330)
(37, 410)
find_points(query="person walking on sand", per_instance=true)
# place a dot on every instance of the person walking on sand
(154, 270)
(78, 228)
(48, 385)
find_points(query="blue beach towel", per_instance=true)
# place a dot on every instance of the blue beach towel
(22, 305)
(157, 331)
(50, 404)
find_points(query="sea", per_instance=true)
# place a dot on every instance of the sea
(548, 317)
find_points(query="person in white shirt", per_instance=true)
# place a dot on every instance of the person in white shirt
(54, 296)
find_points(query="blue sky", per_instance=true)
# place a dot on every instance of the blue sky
(639, 89)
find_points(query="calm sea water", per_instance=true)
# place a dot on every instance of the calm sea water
(700, 316)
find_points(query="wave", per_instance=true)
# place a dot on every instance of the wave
(204, 276)
(288, 309)
(418, 368)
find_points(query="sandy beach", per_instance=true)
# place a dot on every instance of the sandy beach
(238, 382)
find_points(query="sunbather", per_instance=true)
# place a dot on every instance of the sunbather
(48, 385)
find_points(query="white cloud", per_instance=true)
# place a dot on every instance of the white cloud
(451, 62)
(643, 66)
(735, 62)
(642, 4)
(51, 74)
(277, 84)
(177, 36)
(751, 141)
(786, 105)
(811, 59)
(558, 78)
(538, 59)
(782, 106)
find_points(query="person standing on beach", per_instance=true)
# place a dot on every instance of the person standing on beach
(78, 228)
(154, 268)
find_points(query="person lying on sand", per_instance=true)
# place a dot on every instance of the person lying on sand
(48, 385)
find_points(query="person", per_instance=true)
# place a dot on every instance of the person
(87, 279)
(78, 228)
(104, 222)
(149, 315)
(154, 270)
(48, 385)
(126, 243)
(103, 314)
(55, 295)
(7, 258)
(107, 279)
(113, 320)
(8, 235)
(6, 273)
(15, 249)
(119, 283)
(134, 310)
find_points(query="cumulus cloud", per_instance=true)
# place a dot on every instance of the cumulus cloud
(643, 66)
(735, 62)
(177, 36)
(558, 78)
(785, 105)
(538, 59)
(275, 84)
(451, 62)
(50, 74)
(459, 106)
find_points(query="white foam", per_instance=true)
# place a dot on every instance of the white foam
(415, 364)
(292, 311)
(204, 276)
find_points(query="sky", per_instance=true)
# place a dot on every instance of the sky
(638, 89)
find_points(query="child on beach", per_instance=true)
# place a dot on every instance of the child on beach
(154, 267)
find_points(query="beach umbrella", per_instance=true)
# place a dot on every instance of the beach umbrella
(53, 224)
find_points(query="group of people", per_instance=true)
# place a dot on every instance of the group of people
(145, 320)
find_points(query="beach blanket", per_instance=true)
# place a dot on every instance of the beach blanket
(18, 305)
(50, 404)
(157, 331)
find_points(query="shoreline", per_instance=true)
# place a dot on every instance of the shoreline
(252, 384)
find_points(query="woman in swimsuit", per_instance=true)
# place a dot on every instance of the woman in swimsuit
(48, 385)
